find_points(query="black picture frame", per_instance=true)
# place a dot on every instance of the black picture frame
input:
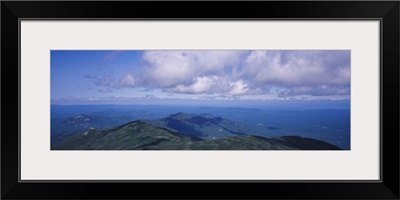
(386, 11)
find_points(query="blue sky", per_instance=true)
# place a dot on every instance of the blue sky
(90, 76)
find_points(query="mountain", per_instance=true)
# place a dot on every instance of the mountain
(203, 126)
(63, 129)
(134, 135)
(249, 142)
(140, 135)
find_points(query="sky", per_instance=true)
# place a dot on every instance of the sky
(112, 77)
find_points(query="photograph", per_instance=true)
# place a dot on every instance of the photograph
(200, 99)
(298, 97)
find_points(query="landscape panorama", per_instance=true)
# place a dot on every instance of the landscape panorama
(200, 100)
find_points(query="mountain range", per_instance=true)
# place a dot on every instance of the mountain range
(203, 126)
(63, 129)
(183, 131)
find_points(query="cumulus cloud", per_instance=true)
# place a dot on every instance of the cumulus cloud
(297, 68)
(238, 87)
(295, 72)
(204, 84)
(127, 80)
(211, 85)
(106, 84)
(172, 68)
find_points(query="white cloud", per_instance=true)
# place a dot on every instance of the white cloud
(238, 87)
(126, 81)
(168, 68)
(172, 68)
(295, 68)
(202, 84)
(212, 85)
(294, 72)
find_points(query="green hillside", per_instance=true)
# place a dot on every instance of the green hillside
(139, 135)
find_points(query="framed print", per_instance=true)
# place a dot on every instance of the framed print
(274, 94)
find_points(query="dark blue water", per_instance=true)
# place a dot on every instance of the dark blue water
(327, 121)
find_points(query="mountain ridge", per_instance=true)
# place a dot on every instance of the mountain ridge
(142, 135)
(201, 125)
